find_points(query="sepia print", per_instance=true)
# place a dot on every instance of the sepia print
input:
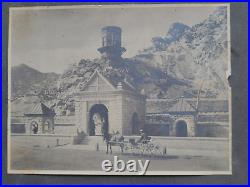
(119, 90)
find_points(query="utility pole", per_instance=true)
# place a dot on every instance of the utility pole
(198, 101)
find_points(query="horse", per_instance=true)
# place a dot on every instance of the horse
(113, 140)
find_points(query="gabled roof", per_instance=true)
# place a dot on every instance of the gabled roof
(112, 82)
(39, 109)
(21, 105)
(181, 106)
(93, 76)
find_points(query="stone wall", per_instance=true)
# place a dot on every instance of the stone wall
(206, 105)
(18, 128)
(116, 115)
(132, 104)
(66, 129)
(212, 130)
(157, 129)
(62, 124)
(81, 116)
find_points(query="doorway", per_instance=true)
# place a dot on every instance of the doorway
(98, 120)
(181, 129)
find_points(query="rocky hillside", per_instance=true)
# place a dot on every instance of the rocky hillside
(196, 54)
(148, 79)
(26, 80)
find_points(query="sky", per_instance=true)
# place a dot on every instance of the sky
(50, 39)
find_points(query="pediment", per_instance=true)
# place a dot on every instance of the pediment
(98, 83)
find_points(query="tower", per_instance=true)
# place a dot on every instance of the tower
(111, 44)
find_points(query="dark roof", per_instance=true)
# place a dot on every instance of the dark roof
(125, 85)
(181, 106)
(161, 106)
(39, 109)
(158, 118)
(21, 105)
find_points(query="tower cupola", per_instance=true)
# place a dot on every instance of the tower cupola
(111, 44)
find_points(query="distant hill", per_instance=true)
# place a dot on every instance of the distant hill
(175, 65)
(26, 80)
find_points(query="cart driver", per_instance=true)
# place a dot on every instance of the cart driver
(143, 138)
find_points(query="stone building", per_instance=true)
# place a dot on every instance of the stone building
(105, 105)
(38, 119)
(102, 107)
(171, 117)
(178, 120)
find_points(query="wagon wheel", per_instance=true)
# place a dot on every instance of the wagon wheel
(152, 149)
(158, 150)
(147, 148)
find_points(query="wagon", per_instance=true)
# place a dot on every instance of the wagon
(145, 147)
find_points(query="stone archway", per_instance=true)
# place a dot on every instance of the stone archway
(48, 126)
(181, 128)
(98, 120)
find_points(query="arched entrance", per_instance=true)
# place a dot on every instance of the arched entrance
(98, 120)
(48, 126)
(181, 128)
(135, 123)
(34, 127)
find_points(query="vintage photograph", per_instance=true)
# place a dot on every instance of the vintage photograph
(119, 89)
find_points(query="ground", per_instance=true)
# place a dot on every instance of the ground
(34, 153)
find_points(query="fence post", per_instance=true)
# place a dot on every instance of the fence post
(97, 147)
(165, 151)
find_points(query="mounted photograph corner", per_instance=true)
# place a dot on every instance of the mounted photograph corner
(120, 90)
